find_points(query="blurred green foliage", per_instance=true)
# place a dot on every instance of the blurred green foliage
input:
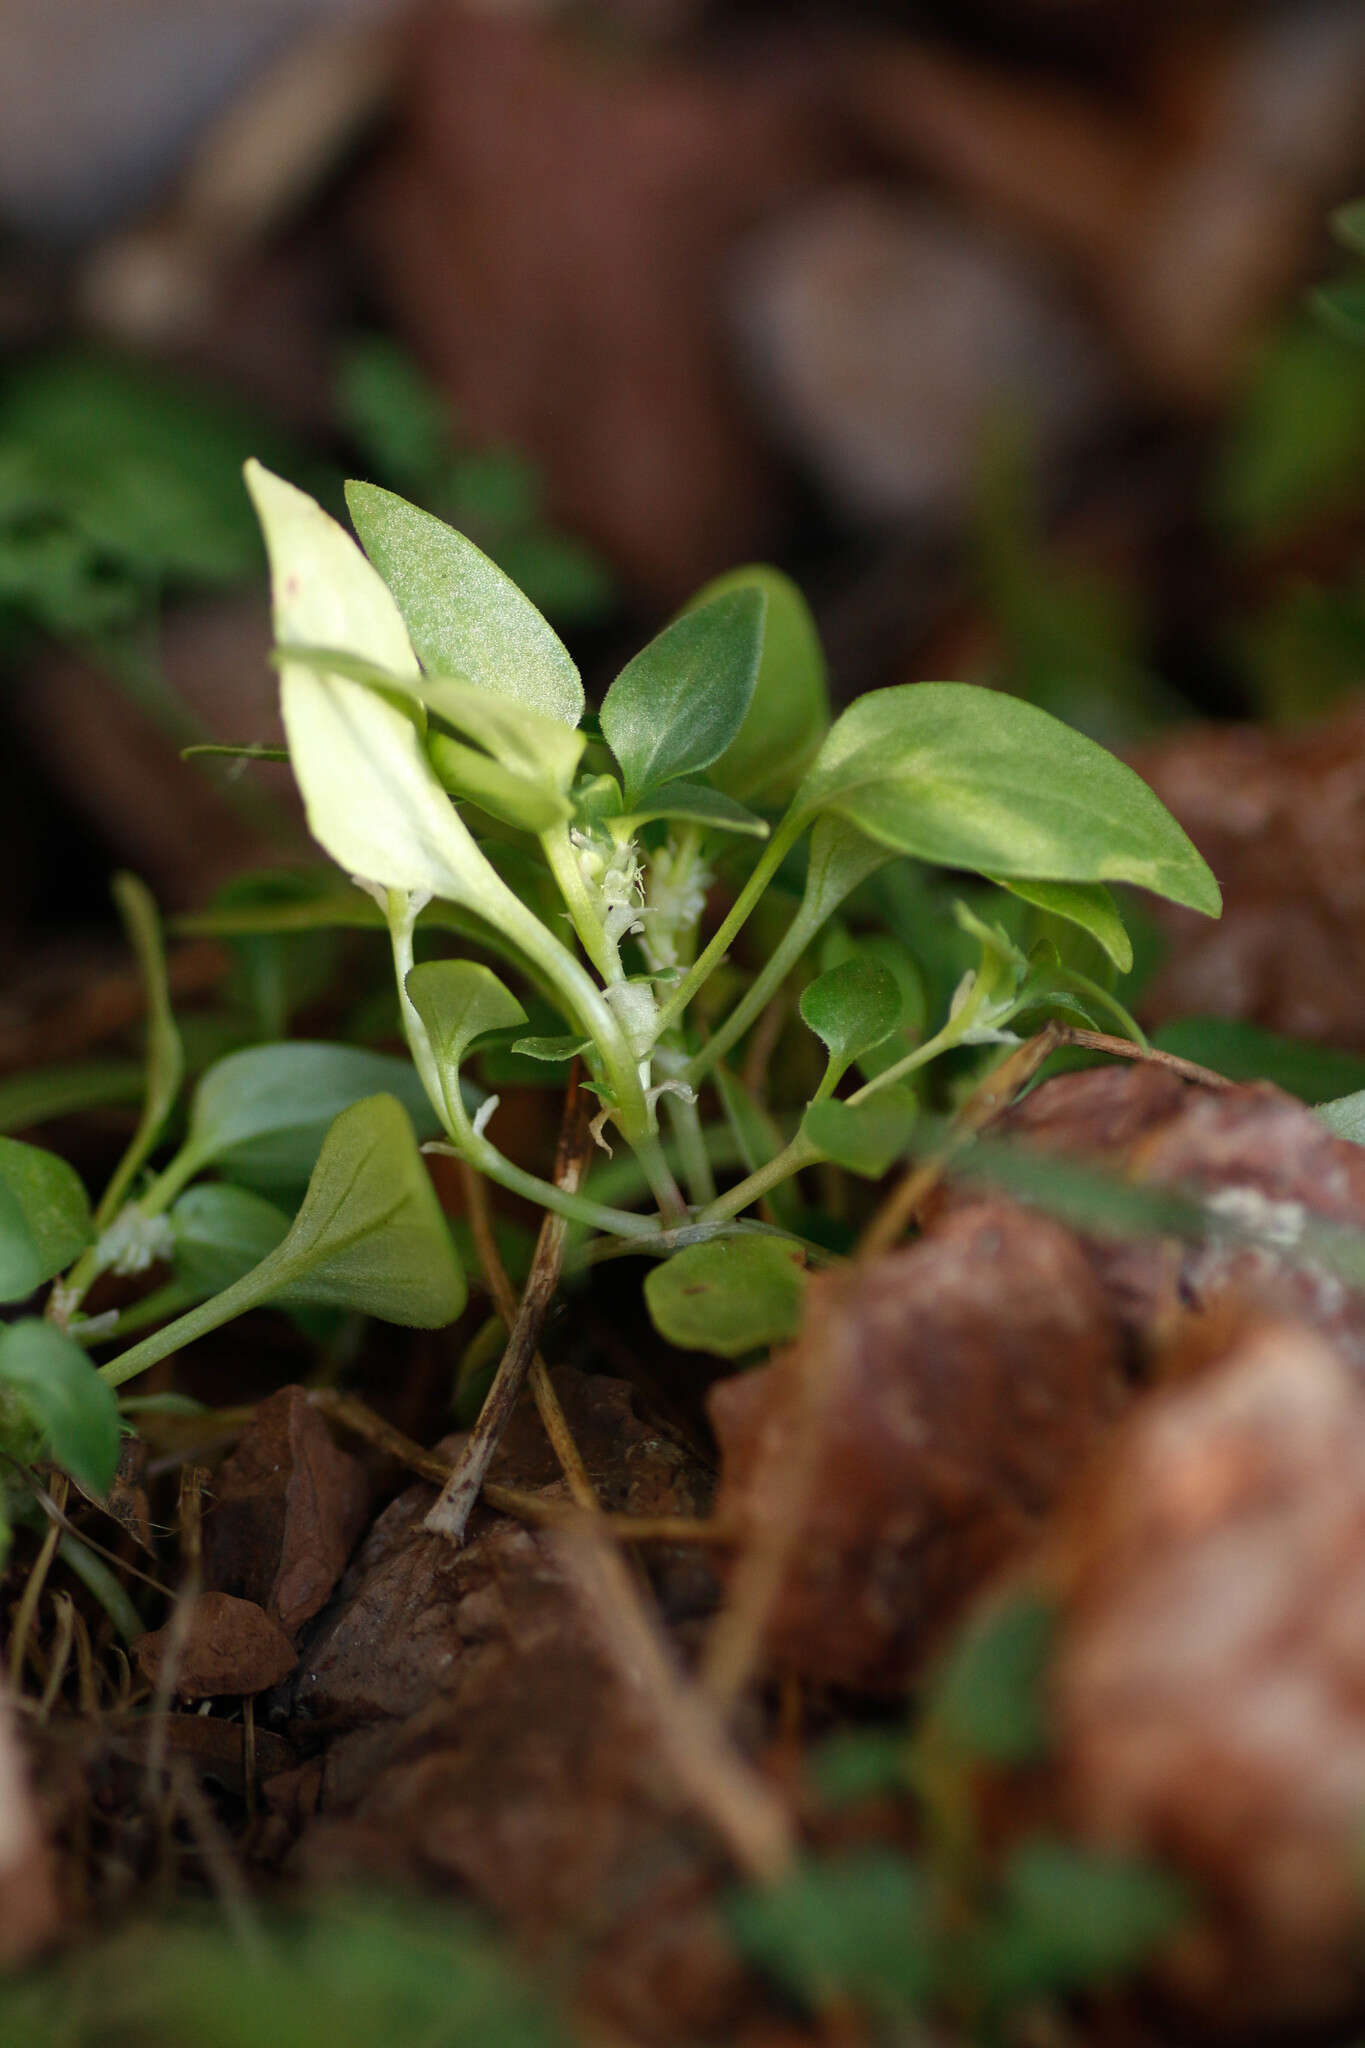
(403, 427)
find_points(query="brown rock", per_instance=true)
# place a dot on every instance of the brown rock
(482, 1736)
(934, 1407)
(288, 1507)
(1208, 1690)
(228, 1646)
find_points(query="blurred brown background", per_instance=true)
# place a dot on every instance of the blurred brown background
(980, 317)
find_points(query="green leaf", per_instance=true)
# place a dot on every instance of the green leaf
(369, 1237)
(470, 777)
(466, 618)
(557, 1049)
(221, 1232)
(698, 804)
(1087, 904)
(45, 1219)
(968, 778)
(48, 1092)
(788, 716)
(676, 707)
(729, 1295)
(261, 1114)
(863, 1137)
(66, 1398)
(859, 1925)
(987, 1697)
(1341, 306)
(1070, 1917)
(372, 799)
(537, 748)
(343, 1971)
(861, 1763)
(851, 1009)
(165, 1058)
(458, 1002)
(397, 417)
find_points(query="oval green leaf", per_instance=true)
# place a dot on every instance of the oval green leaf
(788, 715)
(851, 1009)
(261, 1114)
(369, 1237)
(729, 1295)
(68, 1401)
(464, 615)
(221, 1232)
(458, 1002)
(45, 1219)
(866, 1138)
(677, 706)
(698, 804)
(966, 777)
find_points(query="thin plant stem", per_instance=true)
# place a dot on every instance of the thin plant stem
(28, 1603)
(690, 1140)
(769, 861)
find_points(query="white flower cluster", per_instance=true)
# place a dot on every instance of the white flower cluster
(612, 875)
(674, 901)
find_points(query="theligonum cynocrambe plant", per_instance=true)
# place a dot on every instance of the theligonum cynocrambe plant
(437, 729)
(435, 722)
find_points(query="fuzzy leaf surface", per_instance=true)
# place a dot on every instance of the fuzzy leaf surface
(788, 715)
(465, 616)
(851, 1009)
(677, 706)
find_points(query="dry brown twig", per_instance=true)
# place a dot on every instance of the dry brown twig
(451, 1513)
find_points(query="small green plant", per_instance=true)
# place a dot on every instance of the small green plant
(437, 729)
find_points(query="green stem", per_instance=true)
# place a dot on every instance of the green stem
(487, 1159)
(692, 1153)
(792, 1159)
(250, 1291)
(759, 994)
(600, 949)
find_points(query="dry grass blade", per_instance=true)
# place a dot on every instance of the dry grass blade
(744, 1811)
